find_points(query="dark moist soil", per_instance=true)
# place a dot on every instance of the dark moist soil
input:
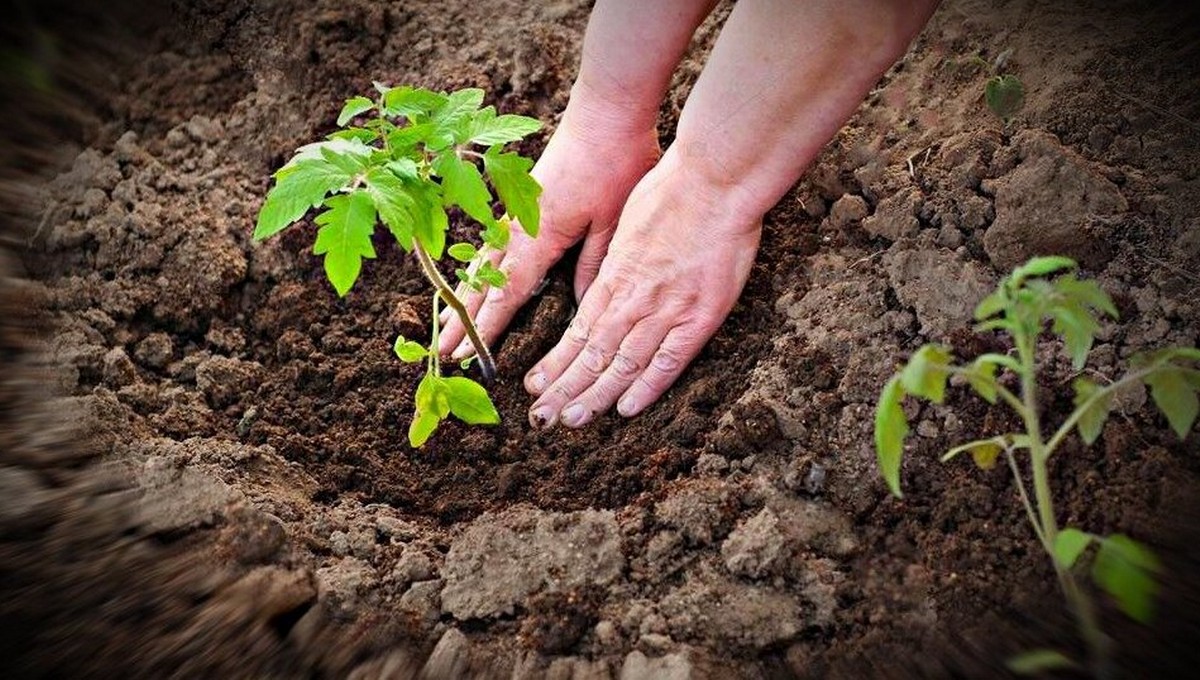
(205, 465)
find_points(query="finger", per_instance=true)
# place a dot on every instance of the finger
(595, 247)
(548, 370)
(678, 348)
(592, 360)
(524, 268)
(630, 360)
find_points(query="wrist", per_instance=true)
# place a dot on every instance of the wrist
(610, 111)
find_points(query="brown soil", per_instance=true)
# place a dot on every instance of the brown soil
(205, 468)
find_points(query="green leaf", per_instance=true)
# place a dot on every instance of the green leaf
(396, 207)
(1087, 293)
(992, 305)
(317, 151)
(303, 186)
(409, 351)
(1093, 414)
(422, 427)
(463, 252)
(981, 377)
(926, 373)
(433, 395)
(406, 138)
(1039, 661)
(983, 451)
(354, 107)
(502, 129)
(518, 190)
(1005, 95)
(497, 235)
(492, 276)
(454, 116)
(431, 221)
(999, 360)
(462, 185)
(891, 427)
(1040, 266)
(1175, 396)
(1125, 570)
(469, 402)
(413, 103)
(345, 238)
(1069, 544)
(354, 134)
(1077, 326)
(404, 168)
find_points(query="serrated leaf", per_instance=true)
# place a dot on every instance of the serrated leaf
(413, 103)
(349, 163)
(422, 428)
(342, 146)
(296, 191)
(456, 113)
(1175, 396)
(1005, 95)
(354, 134)
(406, 138)
(1041, 266)
(409, 351)
(502, 129)
(463, 252)
(1069, 544)
(404, 168)
(354, 107)
(926, 373)
(1039, 661)
(1094, 412)
(1125, 570)
(518, 189)
(396, 207)
(469, 402)
(891, 427)
(462, 185)
(345, 238)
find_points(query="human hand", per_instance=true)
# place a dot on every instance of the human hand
(589, 167)
(677, 263)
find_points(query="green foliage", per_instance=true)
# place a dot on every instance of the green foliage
(1037, 661)
(1046, 291)
(417, 154)
(1005, 95)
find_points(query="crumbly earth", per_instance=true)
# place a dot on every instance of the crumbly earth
(204, 467)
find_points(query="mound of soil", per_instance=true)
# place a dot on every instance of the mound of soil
(205, 467)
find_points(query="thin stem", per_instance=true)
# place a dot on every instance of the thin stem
(486, 363)
(1029, 511)
(1102, 393)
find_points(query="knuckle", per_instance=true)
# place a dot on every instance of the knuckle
(666, 360)
(579, 329)
(593, 359)
(624, 366)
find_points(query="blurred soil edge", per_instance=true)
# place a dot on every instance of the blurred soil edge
(92, 582)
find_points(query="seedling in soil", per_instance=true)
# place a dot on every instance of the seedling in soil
(415, 156)
(1005, 95)
(1020, 306)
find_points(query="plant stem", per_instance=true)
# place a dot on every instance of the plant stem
(486, 364)
(1039, 454)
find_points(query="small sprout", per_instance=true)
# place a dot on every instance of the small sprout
(1021, 306)
(405, 167)
(1005, 95)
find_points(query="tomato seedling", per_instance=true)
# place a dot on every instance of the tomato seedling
(414, 157)
(1020, 306)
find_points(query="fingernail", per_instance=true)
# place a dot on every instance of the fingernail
(541, 417)
(574, 415)
(626, 407)
(536, 383)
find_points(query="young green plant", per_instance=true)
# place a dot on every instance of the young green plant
(1020, 306)
(412, 158)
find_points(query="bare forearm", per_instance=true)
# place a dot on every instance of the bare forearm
(629, 53)
(783, 78)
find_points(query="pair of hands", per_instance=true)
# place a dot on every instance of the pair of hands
(666, 253)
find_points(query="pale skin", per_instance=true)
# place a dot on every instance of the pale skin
(669, 238)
